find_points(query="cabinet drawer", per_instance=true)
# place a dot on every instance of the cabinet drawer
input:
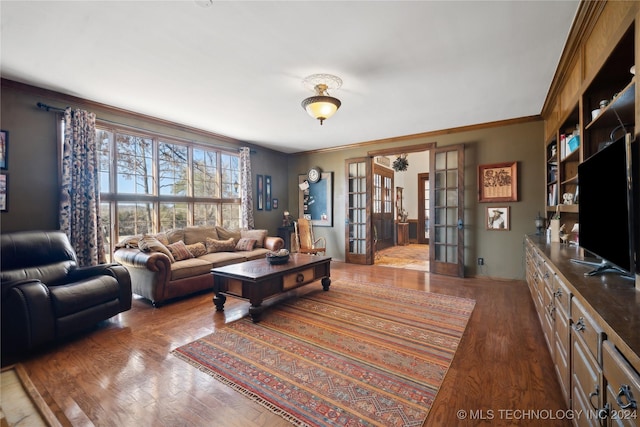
(623, 386)
(298, 278)
(584, 327)
(561, 295)
(586, 379)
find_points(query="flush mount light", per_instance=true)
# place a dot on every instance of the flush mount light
(322, 106)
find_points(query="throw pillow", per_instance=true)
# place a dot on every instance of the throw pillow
(129, 242)
(224, 234)
(245, 244)
(151, 244)
(197, 249)
(258, 235)
(214, 245)
(179, 251)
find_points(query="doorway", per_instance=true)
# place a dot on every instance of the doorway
(406, 247)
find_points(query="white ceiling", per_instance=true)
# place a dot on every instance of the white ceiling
(236, 67)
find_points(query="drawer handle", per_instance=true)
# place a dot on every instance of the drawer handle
(625, 391)
(579, 326)
(300, 278)
(546, 275)
(558, 293)
(593, 394)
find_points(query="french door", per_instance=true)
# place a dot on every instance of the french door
(446, 225)
(382, 215)
(358, 230)
(423, 208)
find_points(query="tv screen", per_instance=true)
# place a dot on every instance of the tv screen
(606, 228)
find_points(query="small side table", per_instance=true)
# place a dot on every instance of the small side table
(403, 233)
(288, 234)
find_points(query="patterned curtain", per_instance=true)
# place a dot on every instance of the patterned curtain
(80, 193)
(246, 193)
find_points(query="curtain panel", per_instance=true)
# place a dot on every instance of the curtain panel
(80, 192)
(246, 192)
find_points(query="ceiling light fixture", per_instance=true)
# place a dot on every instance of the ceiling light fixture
(322, 106)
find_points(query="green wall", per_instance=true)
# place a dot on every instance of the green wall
(33, 176)
(33, 157)
(502, 250)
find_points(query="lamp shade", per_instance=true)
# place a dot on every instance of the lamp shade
(321, 107)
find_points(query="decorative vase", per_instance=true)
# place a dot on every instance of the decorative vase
(555, 230)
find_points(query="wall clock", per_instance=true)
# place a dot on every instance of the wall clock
(314, 174)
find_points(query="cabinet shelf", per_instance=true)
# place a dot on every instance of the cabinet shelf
(621, 109)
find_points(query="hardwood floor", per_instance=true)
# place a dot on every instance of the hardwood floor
(123, 372)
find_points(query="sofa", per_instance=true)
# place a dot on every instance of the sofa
(47, 296)
(177, 262)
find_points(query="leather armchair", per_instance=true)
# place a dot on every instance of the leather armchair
(46, 296)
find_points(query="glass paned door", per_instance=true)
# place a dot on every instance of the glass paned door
(447, 211)
(358, 248)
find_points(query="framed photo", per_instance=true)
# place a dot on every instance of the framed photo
(4, 145)
(498, 218)
(267, 191)
(316, 201)
(498, 182)
(260, 192)
(274, 204)
(4, 195)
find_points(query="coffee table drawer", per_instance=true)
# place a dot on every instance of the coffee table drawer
(293, 280)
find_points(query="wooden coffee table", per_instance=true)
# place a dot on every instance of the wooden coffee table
(258, 280)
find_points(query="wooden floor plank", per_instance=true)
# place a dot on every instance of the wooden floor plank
(123, 372)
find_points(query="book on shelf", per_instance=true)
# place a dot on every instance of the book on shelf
(553, 195)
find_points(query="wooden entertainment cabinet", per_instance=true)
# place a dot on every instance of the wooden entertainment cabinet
(592, 329)
(591, 324)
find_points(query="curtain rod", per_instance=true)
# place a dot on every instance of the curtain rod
(48, 108)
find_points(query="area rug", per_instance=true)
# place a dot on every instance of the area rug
(412, 257)
(361, 354)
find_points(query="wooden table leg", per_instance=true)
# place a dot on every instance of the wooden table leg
(219, 300)
(326, 282)
(255, 311)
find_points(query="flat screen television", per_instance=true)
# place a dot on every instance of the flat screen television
(607, 221)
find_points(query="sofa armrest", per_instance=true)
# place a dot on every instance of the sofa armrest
(117, 271)
(150, 272)
(152, 261)
(27, 316)
(273, 243)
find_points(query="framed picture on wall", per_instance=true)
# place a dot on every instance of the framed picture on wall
(4, 145)
(498, 182)
(267, 192)
(316, 201)
(4, 195)
(498, 218)
(260, 192)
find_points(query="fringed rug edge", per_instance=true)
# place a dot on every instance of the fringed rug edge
(240, 389)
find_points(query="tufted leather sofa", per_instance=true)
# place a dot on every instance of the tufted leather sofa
(47, 296)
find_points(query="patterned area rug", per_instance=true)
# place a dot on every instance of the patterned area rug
(412, 257)
(357, 355)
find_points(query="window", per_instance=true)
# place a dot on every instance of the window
(150, 184)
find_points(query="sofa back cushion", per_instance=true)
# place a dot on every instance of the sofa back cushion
(44, 255)
(199, 234)
(224, 234)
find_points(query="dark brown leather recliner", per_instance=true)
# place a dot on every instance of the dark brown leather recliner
(46, 296)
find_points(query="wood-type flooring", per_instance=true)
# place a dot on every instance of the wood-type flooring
(122, 373)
